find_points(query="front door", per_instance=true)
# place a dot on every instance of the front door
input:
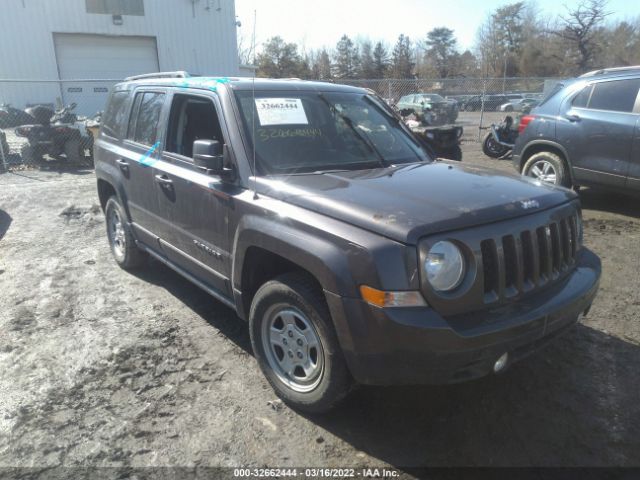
(194, 206)
(599, 128)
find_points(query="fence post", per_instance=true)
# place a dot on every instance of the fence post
(3, 165)
(484, 92)
(389, 90)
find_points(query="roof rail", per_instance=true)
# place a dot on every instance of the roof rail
(603, 71)
(178, 74)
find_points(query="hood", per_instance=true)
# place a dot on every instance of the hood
(407, 202)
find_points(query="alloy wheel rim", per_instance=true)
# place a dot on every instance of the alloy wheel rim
(293, 348)
(544, 170)
(116, 231)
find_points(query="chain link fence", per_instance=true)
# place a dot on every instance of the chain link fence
(50, 123)
(68, 141)
(480, 101)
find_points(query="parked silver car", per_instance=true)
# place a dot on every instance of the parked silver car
(518, 105)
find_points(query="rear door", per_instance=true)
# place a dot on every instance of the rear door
(194, 206)
(136, 161)
(598, 128)
(633, 176)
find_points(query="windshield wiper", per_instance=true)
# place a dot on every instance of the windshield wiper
(365, 139)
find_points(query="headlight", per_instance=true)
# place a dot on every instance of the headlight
(444, 266)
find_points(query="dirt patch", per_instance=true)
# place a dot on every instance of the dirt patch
(104, 367)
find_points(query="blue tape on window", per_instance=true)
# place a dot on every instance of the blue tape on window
(146, 159)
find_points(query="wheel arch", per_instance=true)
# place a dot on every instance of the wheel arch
(107, 187)
(271, 248)
(538, 146)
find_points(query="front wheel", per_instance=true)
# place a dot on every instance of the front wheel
(547, 167)
(295, 344)
(29, 155)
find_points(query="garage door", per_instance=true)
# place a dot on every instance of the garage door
(81, 56)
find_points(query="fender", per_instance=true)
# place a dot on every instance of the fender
(327, 260)
(550, 143)
(112, 175)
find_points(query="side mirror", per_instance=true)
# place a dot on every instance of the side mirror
(208, 155)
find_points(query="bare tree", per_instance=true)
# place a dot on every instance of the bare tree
(579, 28)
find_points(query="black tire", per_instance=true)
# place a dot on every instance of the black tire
(469, 108)
(72, 150)
(491, 148)
(508, 108)
(123, 245)
(557, 163)
(298, 292)
(29, 155)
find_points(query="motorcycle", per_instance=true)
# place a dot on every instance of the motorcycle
(55, 134)
(499, 141)
(443, 141)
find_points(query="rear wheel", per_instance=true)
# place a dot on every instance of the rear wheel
(547, 167)
(123, 245)
(491, 148)
(72, 150)
(295, 344)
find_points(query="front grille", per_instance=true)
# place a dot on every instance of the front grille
(521, 261)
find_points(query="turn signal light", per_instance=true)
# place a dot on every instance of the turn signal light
(381, 298)
(524, 121)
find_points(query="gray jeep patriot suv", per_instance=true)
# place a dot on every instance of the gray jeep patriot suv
(313, 212)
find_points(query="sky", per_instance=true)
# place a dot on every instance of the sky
(314, 24)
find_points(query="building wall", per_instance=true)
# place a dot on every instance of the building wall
(194, 35)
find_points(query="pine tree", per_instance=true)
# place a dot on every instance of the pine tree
(402, 58)
(380, 60)
(346, 59)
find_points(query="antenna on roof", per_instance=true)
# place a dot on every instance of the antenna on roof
(254, 110)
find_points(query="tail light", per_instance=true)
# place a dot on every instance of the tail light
(524, 121)
(22, 131)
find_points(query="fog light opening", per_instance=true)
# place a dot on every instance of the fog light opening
(501, 363)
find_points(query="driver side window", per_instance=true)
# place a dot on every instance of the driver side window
(192, 118)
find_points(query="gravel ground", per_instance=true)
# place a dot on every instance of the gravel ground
(103, 367)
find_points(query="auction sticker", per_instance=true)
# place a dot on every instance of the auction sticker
(281, 111)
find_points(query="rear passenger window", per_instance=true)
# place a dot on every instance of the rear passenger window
(582, 99)
(147, 108)
(617, 95)
(115, 114)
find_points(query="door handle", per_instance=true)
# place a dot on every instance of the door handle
(163, 180)
(123, 164)
(573, 118)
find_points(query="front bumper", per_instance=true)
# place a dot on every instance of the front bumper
(391, 346)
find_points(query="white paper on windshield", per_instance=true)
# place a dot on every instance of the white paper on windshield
(281, 111)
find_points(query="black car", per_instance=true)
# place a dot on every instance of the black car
(491, 102)
(586, 132)
(313, 212)
(443, 110)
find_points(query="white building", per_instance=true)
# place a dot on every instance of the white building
(55, 41)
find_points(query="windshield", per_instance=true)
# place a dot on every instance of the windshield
(298, 132)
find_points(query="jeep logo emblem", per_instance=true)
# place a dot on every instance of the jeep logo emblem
(527, 204)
